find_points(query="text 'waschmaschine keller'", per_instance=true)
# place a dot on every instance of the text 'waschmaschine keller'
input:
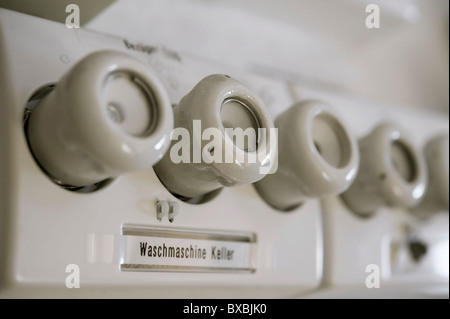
(187, 252)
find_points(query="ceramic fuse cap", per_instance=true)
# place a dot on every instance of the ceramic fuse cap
(317, 156)
(107, 116)
(215, 104)
(392, 172)
(437, 196)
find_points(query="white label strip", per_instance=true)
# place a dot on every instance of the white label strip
(156, 253)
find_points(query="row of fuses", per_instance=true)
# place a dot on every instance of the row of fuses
(110, 115)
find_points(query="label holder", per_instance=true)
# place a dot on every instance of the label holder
(158, 249)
